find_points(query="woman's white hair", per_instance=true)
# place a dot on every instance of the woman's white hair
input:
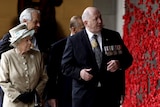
(27, 14)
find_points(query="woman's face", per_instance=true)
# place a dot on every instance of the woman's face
(25, 44)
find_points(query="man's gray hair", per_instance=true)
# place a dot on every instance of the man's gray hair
(85, 15)
(27, 14)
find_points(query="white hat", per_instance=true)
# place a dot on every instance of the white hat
(19, 32)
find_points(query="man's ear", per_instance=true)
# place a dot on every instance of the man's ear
(85, 23)
(24, 20)
(72, 29)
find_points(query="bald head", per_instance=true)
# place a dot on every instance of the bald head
(92, 20)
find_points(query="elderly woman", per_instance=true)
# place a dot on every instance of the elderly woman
(22, 73)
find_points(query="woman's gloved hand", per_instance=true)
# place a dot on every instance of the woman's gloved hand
(27, 97)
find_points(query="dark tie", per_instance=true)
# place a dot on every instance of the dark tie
(97, 50)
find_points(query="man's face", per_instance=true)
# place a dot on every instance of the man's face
(94, 22)
(34, 23)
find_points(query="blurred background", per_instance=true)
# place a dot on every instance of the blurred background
(60, 11)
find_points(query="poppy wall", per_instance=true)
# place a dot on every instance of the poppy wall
(142, 37)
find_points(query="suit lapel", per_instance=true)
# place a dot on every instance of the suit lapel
(86, 43)
(88, 48)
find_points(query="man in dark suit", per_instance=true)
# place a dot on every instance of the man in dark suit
(59, 86)
(94, 86)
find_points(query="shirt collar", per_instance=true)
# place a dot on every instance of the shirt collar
(90, 34)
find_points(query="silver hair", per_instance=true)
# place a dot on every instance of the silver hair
(27, 14)
(85, 15)
(15, 44)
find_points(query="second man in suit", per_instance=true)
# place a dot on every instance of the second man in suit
(59, 86)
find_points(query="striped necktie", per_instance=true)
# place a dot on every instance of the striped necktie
(97, 50)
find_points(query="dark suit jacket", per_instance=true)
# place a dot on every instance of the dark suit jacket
(58, 86)
(78, 54)
(4, 43)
